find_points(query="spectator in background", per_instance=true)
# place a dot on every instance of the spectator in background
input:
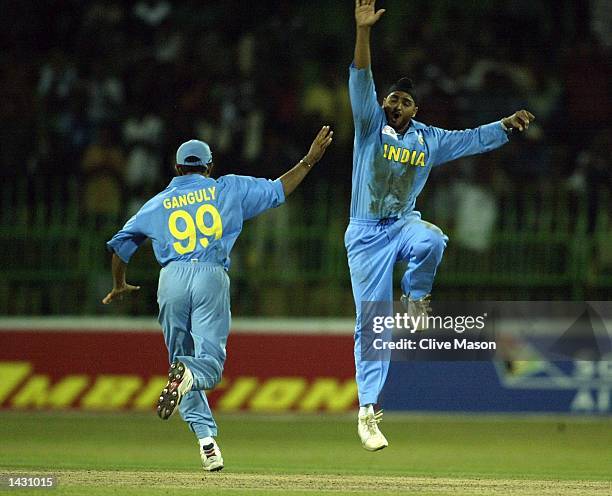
(592, 181)
(152, 12)
(102, 168)
(490, 89)
(106, 94)
(143, 135)
(601, 13)
(587, 91)
(62, 116)
(58, 78)
(270, 241)
(18, 116)
(476, 208)
(326, 99)
(593, 177)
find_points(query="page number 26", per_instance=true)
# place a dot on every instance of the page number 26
(189, 234)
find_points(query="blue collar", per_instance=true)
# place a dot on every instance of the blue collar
(415, 126)
(188, 178)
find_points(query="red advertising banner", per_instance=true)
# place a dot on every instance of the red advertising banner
(98, 370)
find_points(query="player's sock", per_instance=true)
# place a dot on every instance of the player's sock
(206, 441)
(364, 410)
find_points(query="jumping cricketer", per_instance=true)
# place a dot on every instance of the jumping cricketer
(193, 225)
(393, 156)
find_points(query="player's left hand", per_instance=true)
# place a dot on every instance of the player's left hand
(519, 120)
(119, 292)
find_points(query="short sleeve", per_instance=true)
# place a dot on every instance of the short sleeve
(257, 194)
(128, 239)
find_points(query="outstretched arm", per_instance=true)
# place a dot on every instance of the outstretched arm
(365, 17)
(120, 287)
(258, 194)
(456, 144)
(292, 178)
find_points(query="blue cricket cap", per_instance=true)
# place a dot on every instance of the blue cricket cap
(194, 152)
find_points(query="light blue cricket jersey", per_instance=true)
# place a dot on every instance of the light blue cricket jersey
(390, 169)
(197, 217)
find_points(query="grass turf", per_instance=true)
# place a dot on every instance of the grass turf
(138, 454)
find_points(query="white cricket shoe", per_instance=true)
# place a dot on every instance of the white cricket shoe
(180, 381)
(367, 428)
(212, 461)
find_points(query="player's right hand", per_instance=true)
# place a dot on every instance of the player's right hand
(519, 120)
(119, 292)
(319, 145)
(366, 14)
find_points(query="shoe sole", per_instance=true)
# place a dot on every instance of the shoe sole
(375, 449)
(214, 469)
(170, 398)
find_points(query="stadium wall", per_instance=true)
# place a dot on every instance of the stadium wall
(273, 366)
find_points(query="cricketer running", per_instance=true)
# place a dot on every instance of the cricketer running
(392, 158)
(193, 225)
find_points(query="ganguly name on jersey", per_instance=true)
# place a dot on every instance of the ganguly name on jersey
(199, 196)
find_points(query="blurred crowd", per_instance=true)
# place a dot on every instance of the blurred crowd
(106, 90)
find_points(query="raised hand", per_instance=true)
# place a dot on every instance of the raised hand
(366, 14)
(519, 120)
(319, 145)
(293, 177)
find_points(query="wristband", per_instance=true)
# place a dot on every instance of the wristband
(305, 163)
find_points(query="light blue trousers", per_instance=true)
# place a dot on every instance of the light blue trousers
(373, 248)
(194, 312)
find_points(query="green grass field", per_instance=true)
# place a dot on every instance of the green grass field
(137, 454)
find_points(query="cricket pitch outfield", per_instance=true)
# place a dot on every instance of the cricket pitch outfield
(137, 454)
